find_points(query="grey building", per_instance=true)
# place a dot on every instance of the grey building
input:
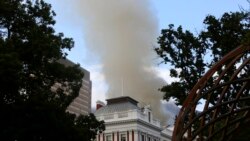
(126, 121)
(82, 103)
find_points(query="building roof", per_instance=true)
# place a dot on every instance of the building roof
(68, 63)
(121, 100)
(119, 104)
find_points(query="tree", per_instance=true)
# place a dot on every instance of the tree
(91, 123)
(190, 56)
(29, 50)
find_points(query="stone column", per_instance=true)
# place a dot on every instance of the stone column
(98, 137)
(137, 136)
(131, 135)
(115, 136)
(101, 137)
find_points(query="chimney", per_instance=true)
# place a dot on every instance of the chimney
(99, 104)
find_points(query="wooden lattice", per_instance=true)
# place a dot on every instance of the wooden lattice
(224, 92)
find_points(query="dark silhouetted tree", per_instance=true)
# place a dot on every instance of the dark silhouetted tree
(29, 50)
(191, 55)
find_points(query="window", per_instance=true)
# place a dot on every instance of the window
(123, 137)
(108, 138)
(142, 138)
(149, 139)
(149, 116)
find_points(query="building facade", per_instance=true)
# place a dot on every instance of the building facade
(126, 121)
(82, 103)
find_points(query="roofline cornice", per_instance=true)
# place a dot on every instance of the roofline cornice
(135, 120)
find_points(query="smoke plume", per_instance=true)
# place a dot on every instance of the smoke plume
(122, 34)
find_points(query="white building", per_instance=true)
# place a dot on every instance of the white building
(125, 121)
(82, 103)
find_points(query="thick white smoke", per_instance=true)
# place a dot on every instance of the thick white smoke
(122, 34)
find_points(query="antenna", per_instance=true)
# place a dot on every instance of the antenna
(122, 85)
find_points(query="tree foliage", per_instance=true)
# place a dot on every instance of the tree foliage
(29, 50)
(191, 55)
(84, 123)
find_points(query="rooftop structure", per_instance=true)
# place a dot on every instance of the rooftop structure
(126, 121)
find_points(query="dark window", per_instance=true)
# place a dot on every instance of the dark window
(108, 138)
(123, 137)
(149, 116)
(142, 138)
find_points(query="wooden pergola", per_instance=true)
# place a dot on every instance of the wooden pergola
(224, 90)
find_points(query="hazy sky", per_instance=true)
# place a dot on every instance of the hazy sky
(189, 14)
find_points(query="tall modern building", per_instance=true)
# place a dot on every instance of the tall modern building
(82, 103)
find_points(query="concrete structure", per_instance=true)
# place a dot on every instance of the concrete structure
(125, 121)
(82, 103)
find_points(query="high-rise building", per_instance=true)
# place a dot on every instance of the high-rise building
(82, 103)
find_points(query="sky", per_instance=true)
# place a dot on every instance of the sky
(189, 14)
